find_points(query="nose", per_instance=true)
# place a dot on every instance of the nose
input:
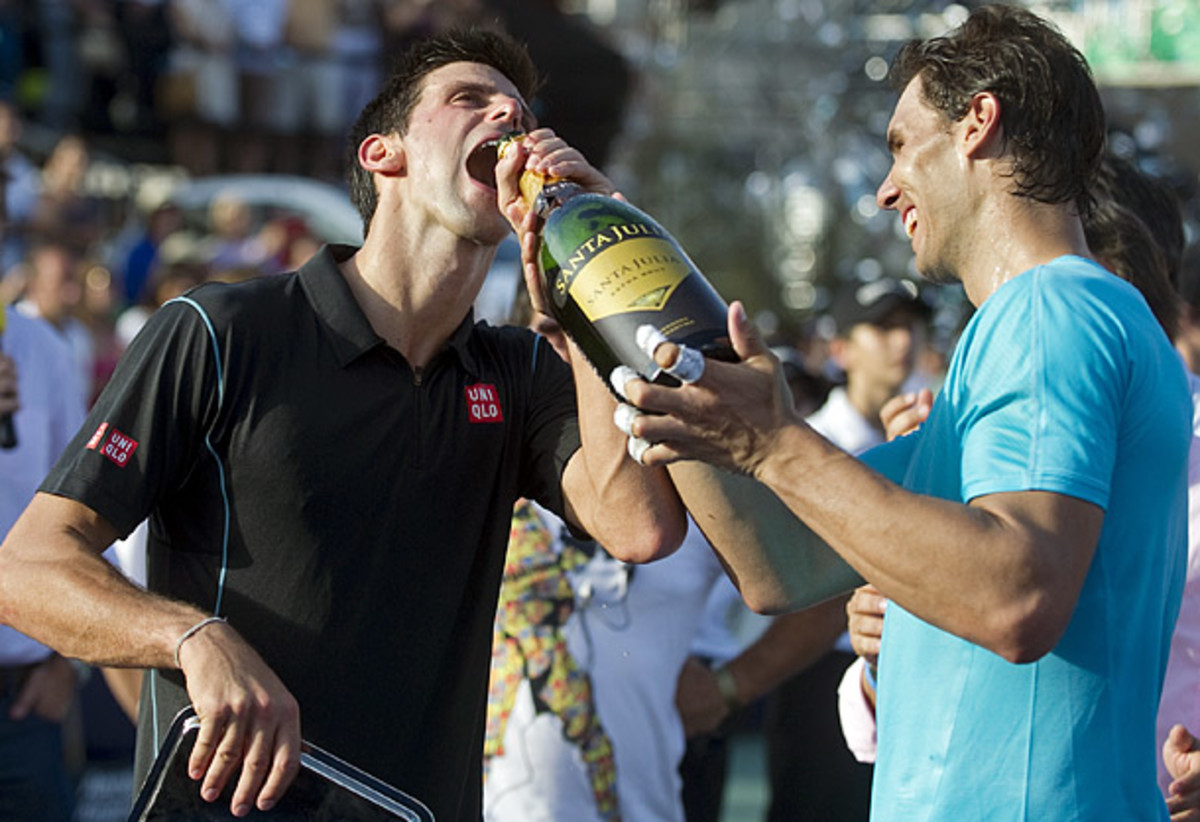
(508, 109)
(887, 194)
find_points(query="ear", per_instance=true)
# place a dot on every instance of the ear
(382, 154)
(981, 128)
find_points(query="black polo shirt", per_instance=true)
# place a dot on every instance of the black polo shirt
(348, 516)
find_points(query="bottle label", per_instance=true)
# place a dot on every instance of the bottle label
(617, 273)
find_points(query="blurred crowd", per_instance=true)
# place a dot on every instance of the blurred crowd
(220, 83)
(95, 267)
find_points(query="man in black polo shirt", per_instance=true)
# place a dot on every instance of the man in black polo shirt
(329, 461)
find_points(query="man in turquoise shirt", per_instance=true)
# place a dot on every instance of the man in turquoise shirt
(1031, 534)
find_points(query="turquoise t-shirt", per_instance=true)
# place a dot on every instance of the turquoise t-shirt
(1062, 381)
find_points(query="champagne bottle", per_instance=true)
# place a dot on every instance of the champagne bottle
(609, 268)
(8, 432)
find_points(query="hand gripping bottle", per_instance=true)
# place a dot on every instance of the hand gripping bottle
(609, 268)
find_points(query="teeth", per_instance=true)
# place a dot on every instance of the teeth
(910, 222)
(505, 143)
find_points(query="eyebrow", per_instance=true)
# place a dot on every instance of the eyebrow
(527, 117)
(893, 140)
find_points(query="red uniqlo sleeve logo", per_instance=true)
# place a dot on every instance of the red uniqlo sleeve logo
(116, 446)
(483, 403)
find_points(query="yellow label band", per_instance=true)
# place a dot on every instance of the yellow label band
(637, 274)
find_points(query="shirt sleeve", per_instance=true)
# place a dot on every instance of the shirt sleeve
(553, 427)
(1041, 408)
(148, 427)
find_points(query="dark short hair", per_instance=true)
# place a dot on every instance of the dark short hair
(1136, 229)
(389, 111)
(1152, 199)
(1122, 242)
(1050, 110)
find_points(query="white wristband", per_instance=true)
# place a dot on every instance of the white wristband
(191, 632)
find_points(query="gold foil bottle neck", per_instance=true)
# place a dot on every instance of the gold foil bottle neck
(531, 185)
(531, 182)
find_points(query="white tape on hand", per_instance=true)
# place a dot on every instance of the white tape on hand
(637, 446)
(649, 338)
(620, 376)
(624, 416)
(688, 366)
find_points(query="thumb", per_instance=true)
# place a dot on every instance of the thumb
(747, 342)
(510, 163)
(1175, 749)
(925, 398)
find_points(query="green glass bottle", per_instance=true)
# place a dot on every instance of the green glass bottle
(609, 268)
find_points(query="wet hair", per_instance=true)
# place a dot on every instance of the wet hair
(389, 111)
(1051, 115)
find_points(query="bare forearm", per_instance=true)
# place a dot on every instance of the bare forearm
(632, 510)
(1002, 572)
(56, 588)
(790, 644)
(775, 560)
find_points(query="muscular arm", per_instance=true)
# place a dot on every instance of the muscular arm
(1003, 572)
(776, 561)
(630, 509)
(56, 587)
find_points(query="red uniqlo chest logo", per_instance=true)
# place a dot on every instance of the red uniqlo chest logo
(113, 444)
(483, 403)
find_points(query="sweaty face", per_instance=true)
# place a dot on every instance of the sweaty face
(450, 147)
(924, 184)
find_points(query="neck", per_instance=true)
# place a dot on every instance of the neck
(415, 294)
(1015, 237)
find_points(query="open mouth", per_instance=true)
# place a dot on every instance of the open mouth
(910, 222)
(481, 164)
